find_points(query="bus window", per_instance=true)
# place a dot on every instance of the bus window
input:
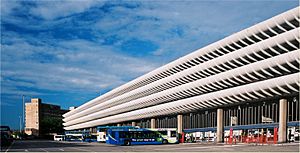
(173, 134)
(146, 134)
(163, 132)
(134, 134)
(152, 134)
(122, 134)
(140, 135)
(113, 134)
(130, 135)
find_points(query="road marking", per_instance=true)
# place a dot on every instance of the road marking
(9, 147)
(61, 149)
(26, 150)
(81, 149)
(43, 149)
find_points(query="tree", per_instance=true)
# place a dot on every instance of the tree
(51, 125)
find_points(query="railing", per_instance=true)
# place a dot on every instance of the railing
(253, 138)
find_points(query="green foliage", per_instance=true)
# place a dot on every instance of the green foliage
(51, 125)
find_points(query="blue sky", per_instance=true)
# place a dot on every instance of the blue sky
(68, 52)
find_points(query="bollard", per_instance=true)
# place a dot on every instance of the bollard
(235, 140)
(275, 135)
(182, 137)
(230, 136)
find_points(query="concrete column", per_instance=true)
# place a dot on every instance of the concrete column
(179, 124)
(220, 125)
(153, 123)
(282, 120)
(133, 123)
(118, 124)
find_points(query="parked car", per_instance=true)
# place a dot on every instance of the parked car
(6, 139)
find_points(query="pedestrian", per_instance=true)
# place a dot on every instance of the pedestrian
(290, 135)
(188, 138)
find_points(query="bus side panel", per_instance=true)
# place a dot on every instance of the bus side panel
(110, 139)
(113, 138)
(142, 141)
(119, 141)
(145, 143)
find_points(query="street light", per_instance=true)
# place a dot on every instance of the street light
(20, 124)
(23, 105)
(23, 109)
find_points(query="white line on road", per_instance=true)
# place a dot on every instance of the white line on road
(26, 150)
(43, 149)
(9, 146)
(61, 149)
(81, 149)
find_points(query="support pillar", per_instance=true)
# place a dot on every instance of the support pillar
(133, 123)
(118, 124)
(282, 121)
(220, 125)
(153, 123)
(179, 124)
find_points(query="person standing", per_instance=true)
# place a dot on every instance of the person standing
(290, 135)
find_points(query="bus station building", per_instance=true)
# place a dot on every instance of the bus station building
(248, 80)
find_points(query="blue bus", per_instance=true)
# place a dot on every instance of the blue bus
(126, 136)
(90, 138)
(101, 131)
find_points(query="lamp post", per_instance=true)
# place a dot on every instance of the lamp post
(23, 102)
(23, 107)
(20, 124)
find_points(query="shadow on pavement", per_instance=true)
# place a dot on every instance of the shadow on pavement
(23, 144)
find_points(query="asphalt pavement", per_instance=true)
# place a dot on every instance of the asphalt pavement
(54, 146)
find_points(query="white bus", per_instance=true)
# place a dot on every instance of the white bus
(169, 134)
(101, 135)
(76, 135)
(59, 137)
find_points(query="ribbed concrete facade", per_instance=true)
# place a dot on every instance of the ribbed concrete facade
(259, 62)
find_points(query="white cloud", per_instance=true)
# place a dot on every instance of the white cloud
(78, 65)
(43, 62)
(50, 10)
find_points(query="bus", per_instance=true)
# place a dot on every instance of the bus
(76, 135)
(101, 131)
(90, 138)
(59, 137)
(138, 136)
(169, 134)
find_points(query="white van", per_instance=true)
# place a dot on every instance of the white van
(59, 137)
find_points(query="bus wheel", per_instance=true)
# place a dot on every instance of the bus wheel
(127, 143)
(165, 141)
